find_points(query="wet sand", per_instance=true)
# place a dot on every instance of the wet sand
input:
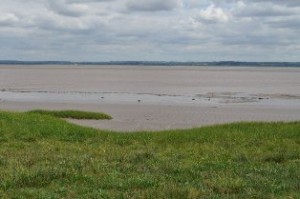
(155, 98)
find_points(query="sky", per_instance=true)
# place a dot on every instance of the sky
(150, 30)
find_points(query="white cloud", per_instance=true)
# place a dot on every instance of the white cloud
(8, 19)
(149, 30)
(214, 14)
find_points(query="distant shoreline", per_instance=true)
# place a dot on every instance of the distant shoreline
(156, 63)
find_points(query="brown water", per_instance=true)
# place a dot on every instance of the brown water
(156, 97)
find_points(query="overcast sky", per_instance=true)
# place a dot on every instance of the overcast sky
(162, 30)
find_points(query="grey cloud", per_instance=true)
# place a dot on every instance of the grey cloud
(280, 2)
(66, 8)
(126, 29)
(263, 13)
(87, 1)
(152, 5)
(8, 19)
(70, 26)
(288, 23)
(263, 10)
(254, 40)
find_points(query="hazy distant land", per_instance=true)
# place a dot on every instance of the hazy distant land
(156, 63)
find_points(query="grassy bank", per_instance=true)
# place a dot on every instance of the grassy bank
(74, 114)
(45, 157)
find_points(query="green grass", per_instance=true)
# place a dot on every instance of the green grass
(74, 114)
(46, 157)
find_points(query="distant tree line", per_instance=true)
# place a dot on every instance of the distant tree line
(155, 63)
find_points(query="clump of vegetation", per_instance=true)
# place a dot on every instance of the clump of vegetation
(46, 157)
(74, 114)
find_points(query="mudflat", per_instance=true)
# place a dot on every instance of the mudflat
(155, 97)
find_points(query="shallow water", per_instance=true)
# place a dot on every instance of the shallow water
(155, 98)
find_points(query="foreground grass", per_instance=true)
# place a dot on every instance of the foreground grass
(73, 114)
(45, 157)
